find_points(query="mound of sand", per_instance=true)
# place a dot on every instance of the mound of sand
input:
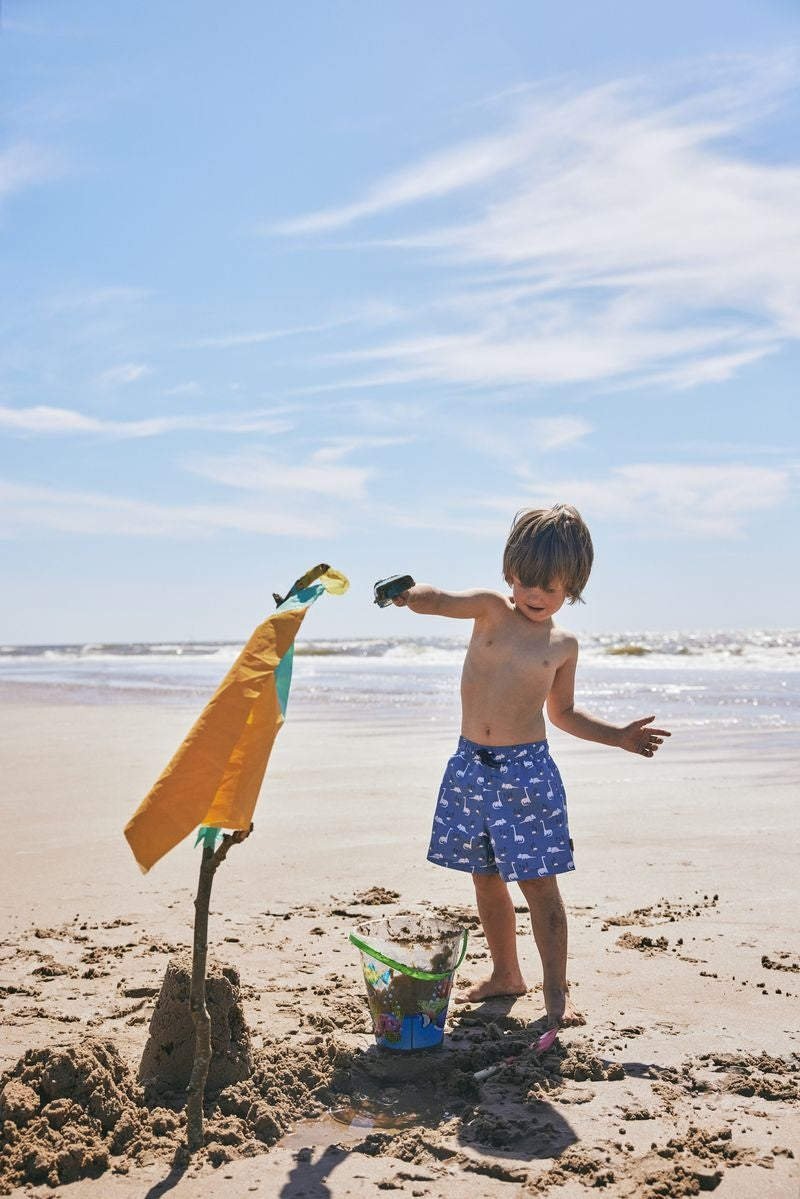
(77, 1111)
(169, 1053)
(65, 1112)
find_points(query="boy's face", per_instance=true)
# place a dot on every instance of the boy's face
(538, 603)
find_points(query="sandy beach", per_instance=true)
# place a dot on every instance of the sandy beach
(683, 923)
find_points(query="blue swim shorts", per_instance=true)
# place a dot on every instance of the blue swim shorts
(502, 810)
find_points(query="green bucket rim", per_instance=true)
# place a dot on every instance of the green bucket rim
(410, 971)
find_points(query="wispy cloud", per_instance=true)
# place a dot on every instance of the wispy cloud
(716, 368)
(54, 421)
(663, 500)
(633, 235)
(512, 444)
(22, 507)
(24, 164)
(438, 175)
(675, 498)
(83, 299)
(340, 447)
(251, 338)
(372, 311)
(554, 433)
(258, 471)
(582, 348)
(123, 374)
(190, 388)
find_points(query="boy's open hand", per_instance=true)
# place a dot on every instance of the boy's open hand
(640, 740)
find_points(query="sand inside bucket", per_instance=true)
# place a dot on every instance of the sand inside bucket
(429, 945)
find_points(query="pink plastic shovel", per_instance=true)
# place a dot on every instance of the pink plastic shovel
(542, 1045)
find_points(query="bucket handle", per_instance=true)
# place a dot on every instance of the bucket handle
(411, 971)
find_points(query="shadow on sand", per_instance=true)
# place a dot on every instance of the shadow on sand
(180, 1164)
(401, 1101)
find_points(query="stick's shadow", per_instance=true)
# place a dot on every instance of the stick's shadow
(180, 1164)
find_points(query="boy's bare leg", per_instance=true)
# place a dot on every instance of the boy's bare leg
(496, 910)
(549, 923)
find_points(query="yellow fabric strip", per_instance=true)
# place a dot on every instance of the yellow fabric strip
(216, 774)
(334, 582)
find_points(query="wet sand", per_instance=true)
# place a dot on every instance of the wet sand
(683, 923)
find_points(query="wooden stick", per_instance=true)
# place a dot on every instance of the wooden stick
(197, 991)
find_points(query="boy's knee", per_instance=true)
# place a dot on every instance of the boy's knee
(487, 882)
(539, 888)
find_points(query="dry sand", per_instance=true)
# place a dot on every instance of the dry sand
(684, 943)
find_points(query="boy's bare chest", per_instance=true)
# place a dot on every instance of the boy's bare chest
(504, 652)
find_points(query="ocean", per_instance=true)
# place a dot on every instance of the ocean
(747, 680)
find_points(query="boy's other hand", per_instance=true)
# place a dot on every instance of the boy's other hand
(640, 740)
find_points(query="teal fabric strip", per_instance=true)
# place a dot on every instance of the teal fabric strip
(299, 599)
(283, 672)
(283, 678)
(209, 837)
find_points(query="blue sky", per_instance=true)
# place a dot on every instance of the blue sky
(355, 282)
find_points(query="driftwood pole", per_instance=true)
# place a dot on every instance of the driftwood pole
(197, 991)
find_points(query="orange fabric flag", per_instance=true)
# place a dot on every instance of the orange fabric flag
(215, 776)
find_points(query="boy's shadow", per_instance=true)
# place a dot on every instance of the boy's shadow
(308, 1177)
(539, 1131)
(492, 1115)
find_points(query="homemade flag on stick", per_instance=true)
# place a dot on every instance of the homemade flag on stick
(215, 776)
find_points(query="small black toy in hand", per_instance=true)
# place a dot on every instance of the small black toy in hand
(387, 589)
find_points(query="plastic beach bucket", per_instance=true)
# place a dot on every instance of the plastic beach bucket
(409, 963)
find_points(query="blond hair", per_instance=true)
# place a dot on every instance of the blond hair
(549, 545)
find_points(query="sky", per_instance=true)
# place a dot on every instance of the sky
(355, 282)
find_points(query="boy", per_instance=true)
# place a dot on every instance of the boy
(501, 811)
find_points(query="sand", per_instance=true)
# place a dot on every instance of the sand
(683, 923)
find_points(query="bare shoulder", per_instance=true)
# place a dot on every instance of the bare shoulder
(494, 605)
(496, 600)
(564, 643)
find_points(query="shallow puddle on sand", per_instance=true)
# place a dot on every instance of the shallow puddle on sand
(322, 1132)
(389, 1092)
(386, 1115)
(355, 1120)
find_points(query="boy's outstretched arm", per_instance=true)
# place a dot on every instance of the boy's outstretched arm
(432, 601)
(636, 737)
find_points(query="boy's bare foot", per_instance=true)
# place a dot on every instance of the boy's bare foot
(561, 1012)
(493, 987)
